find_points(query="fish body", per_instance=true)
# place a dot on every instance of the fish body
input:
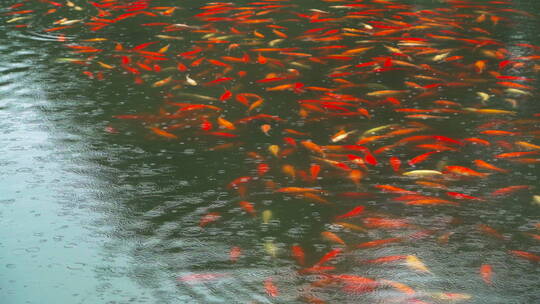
(422, 173)
(486, 272)
(332, 237)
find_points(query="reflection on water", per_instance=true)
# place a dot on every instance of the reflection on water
(270, 152)
(52, 237)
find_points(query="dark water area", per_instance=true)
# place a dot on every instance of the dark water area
(129, 174)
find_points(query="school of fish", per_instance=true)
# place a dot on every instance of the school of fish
(338, 109)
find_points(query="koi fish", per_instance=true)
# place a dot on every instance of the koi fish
(377, 243)
(486, 273)
(329, 256)
(354, 212)
(482, 164)
(201, 277)
(375, 222)
(248, 207)
(270, 288)
(298, 254)
(459, 170)
(525, 255)
(332, 237)
(297, 190)
(399, 286)
(508, 190)
(414, 263)
(235, 253)
(385, 259)
(421, 173)
(209, 218)
(163, 133)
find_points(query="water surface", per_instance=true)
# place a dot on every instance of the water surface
(100, 208)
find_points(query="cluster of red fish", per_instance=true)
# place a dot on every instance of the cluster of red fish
(385, 89)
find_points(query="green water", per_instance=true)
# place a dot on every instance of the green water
(95, 209)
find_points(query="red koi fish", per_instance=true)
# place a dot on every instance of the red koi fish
(395, 163)
(298, 254)
(314, 170)
(354, 212)
(458, 195)
(329, 256)
(226, 95)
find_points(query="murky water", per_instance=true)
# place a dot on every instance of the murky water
(108, 197)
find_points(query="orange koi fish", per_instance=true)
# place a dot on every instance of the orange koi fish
(478, 141)
(400, 287)
(486, 273)
(163, 133)
(357, 284)
(514, 85)
(235, 253)
(386, 259)
(248, 207)
(393, 189)
(508, 190)
(297, 190)
(351, 226)
(209, 218)
(526, 255)
(420, 158)
(459, 170)
(312, 147)
(332, 237)
(238, 182)
(376, 222)
(225, 123)
(432, 201)
(499, 133)
(482, 164)
(488, 230)
(516, 154)
(270, 288)
(385, 93)
(527, 145)
(377, 243)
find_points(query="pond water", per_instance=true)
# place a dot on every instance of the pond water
(372, 151)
